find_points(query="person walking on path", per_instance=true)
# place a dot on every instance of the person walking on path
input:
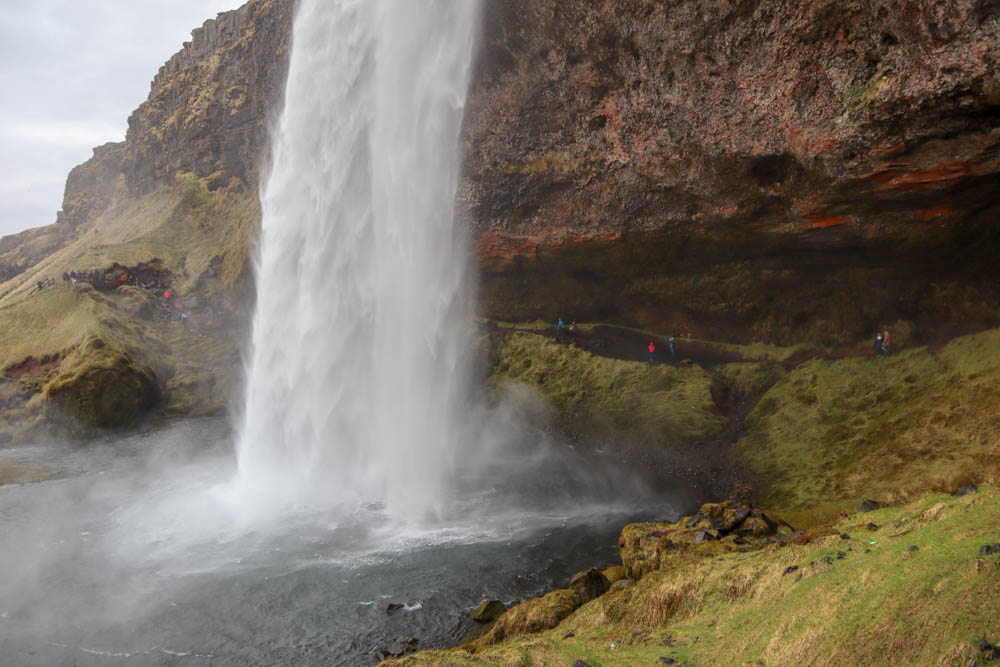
(673, 348)
(878, 344)
(560, 329)
(652, 348)
(572, 329)
(885, 342)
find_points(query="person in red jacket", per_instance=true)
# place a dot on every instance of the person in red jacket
(652, 348)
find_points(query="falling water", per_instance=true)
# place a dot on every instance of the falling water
(357, 375)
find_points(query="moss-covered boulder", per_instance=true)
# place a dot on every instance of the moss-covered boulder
(535, 615)
(99, 386)
(589, 584)
(488, 611)
(716, 528)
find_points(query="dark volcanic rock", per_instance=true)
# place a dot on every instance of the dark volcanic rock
(589, 585)
(869, 506)
(966, 490)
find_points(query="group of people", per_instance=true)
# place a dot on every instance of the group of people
(671, 344)
(99, 276)
(882, 343)
(562, 330)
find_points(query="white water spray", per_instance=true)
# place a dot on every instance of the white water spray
(357, 376)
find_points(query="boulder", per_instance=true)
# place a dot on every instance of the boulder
(706, 536)
(589, 585)
(488, 611)
(99, 386)
(757, 524)
(869, 506)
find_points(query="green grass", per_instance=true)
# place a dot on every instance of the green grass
(596, 396)
(203, 239)
(832, 433)
(888, 607)
(51, 321)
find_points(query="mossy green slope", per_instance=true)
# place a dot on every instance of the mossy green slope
(623, 402)
(104, 357)
(923, 594)
(832, 433)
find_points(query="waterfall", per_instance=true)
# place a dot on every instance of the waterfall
(357, 373)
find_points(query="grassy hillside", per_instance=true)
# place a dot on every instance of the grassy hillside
(907, 585)
(625, 402)
(832, 433)
(105, 354)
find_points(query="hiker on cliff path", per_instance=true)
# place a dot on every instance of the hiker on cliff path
(652, 348)
(673, 349)
(878, 344)
(560, 329)
(885, 342)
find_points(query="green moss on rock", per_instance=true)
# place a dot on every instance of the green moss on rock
(101, 386)
(623, 402)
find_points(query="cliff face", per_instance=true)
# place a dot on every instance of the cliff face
(210, 105)
(690, 164)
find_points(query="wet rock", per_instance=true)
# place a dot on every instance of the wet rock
(580, 663)
(393, 607)
(845, 536)
(966, 490)
(988, 651)
(988, 549)
(872, 526)
(667, 660)
(828, 560)
(790, 569)
(695, 520)
(488, 611)
(869, 506)
(706, 536)
(841, 555)
(757, 524)
(569, 635)
(589, 585)
(914, 547)
(868, 551)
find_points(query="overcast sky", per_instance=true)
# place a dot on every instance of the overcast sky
(71, 71)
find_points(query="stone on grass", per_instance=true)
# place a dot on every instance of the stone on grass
(589, 585)
(966, 490)
(790, 569)
(869, 505)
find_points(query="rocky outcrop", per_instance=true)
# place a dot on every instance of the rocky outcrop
(210, 106)
(692, 166)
